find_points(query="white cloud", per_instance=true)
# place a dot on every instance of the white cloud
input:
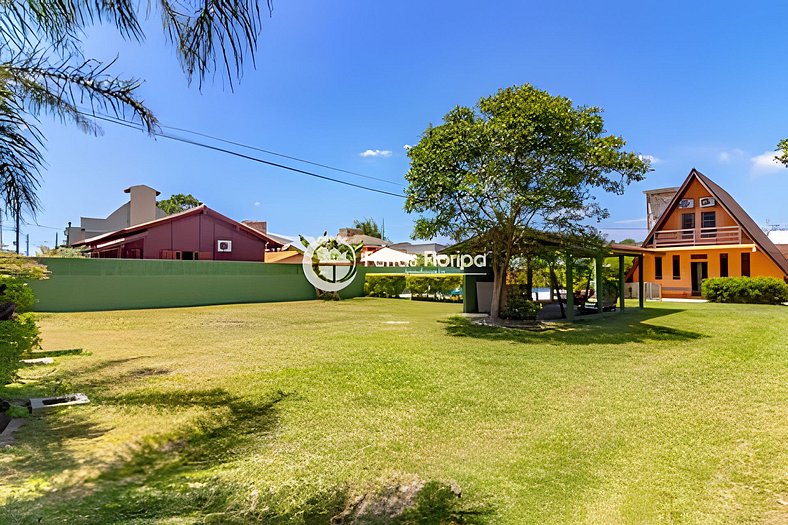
(731, 154)
(766, 162)
(375, 153)
(406, 147)
(630, 221)
(651, 158)
(257, 204)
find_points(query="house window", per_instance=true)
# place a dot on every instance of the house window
(687, 223)
(708, 221)
(745, 264)
(723, 265)
(658, 268)
(677, 267)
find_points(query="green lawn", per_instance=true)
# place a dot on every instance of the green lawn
(280, 412)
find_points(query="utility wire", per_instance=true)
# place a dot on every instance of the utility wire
(269, 152)
(184, 140)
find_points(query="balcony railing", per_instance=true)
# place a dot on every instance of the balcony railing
(697, 236)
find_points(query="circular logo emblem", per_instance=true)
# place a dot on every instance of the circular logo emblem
(329, 264)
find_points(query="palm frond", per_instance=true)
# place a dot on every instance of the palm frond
(213, 34)
(60, 88)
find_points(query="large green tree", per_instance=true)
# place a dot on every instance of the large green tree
(782, 154)
(178, 203)
(44, 71)
(519, 160)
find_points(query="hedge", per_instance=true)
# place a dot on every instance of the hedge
(752, 290)
(18, 292)
(422, 287)
(18, 337)
(384, 285)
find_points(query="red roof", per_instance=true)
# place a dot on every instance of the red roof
(177, 216)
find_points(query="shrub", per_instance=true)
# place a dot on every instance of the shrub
(18, 337)
(18, 292)
(752, 290)
(435, 287)
(384, 285)
(519, 305)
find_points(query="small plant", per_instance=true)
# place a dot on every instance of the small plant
(519, 306)
(750, 290)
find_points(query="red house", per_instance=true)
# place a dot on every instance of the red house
(196, 234)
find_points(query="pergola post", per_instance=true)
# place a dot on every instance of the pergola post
(600, 278)
(570, 290)
(621, 282)
(641, 282)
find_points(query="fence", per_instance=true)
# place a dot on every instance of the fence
(77, 285)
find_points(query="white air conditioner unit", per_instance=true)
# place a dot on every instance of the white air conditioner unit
(706, 202)
(224, 246)
(687, 203)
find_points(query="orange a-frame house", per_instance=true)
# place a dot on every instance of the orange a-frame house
(703, 232)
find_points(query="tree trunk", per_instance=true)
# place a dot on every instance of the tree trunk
(554, 278)
(499, 281)
(529, 283)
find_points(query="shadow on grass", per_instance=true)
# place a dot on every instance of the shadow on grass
(616, 328)
(173, 476)
(179, 475)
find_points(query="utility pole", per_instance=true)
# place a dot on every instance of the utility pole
(27, 245)
(1, 232)
(18, 210)
(68, 234)
(56, 240)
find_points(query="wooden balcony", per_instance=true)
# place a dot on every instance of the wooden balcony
(697, 236)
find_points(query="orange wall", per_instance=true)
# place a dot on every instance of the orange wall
(760, 266)
(695, 191)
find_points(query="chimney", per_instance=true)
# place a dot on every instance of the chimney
(261, 226)
(142, 204)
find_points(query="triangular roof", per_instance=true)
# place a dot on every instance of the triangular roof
(733, 208)
(176, 216)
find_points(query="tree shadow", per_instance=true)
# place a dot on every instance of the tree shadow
(168, 477)
(178, 475)
(613, 328)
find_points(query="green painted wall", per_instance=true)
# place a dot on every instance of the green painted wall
(77, 285)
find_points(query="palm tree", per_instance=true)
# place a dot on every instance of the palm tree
(43, 70)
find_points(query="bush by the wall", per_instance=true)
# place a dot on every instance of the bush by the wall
(384, 285)
(18, 292)
(435, 287)
(752, 290)
(519, 305)
(18, 336)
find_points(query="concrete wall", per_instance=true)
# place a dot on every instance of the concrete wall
(119, 284)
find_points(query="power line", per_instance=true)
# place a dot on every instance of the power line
(269, 152)
(184, 140)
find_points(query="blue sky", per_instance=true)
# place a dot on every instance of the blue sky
(688, 85)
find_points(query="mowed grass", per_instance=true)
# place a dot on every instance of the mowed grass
(283, 412)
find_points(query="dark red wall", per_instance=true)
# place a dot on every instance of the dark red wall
(200, 233)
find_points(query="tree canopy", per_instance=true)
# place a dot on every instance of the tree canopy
(783, 153)
(178, 203)
(369, 227)
(518, 161)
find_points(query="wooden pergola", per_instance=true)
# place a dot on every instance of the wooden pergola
(614, 250)
(571, 249)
